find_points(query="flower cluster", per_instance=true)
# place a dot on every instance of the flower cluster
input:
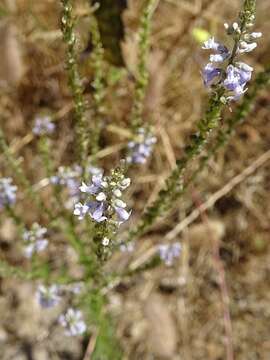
(73, 322)
(69, 177)
(141, 147)
(43, 126)
(104, 203)
(168, 252)
(236, 74)
(48, 296)
(34, 240)
(7, 192)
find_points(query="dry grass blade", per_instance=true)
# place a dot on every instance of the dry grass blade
(218, 195)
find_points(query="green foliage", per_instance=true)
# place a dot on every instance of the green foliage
(106, 347)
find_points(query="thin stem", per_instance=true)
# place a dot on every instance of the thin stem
(173, 187)
(75, 83)
(20, 175)
(97, 59)
(142, 75)
(16, 167)
(7, 271)
(44, 147)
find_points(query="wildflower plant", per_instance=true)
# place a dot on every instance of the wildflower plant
(233, 75)
(210, 121)
(105, 206)
(89, 205)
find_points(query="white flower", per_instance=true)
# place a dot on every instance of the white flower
(117, 193)
(235, 26)
(101, 196)
(84, 188)
(245, 47)
(73, 322)
(80, 210)
(256, 35)
(210, 44)
(105, 241)
(125, 183)
(120, 203)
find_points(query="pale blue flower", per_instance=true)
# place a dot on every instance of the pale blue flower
(7, 192)
(210, 72)
(80, 210)
(34, 240)
(48, 296)
(222, 51)
(73, 322)
(70, 177)
(236, 79)
(97, 210)
(94, 187)
(119, 207)
(234, 75)
(245, 72)
(141, 147)
(103, 202)
(168, 252)
(43, 126)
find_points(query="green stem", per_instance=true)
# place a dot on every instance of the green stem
(75, 83)
(44, 148)
(106, 346)
(241, 113)
(142, 75)
(97, 61)
(11, 271)
(173, 186)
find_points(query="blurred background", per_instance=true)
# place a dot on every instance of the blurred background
(163, 313)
